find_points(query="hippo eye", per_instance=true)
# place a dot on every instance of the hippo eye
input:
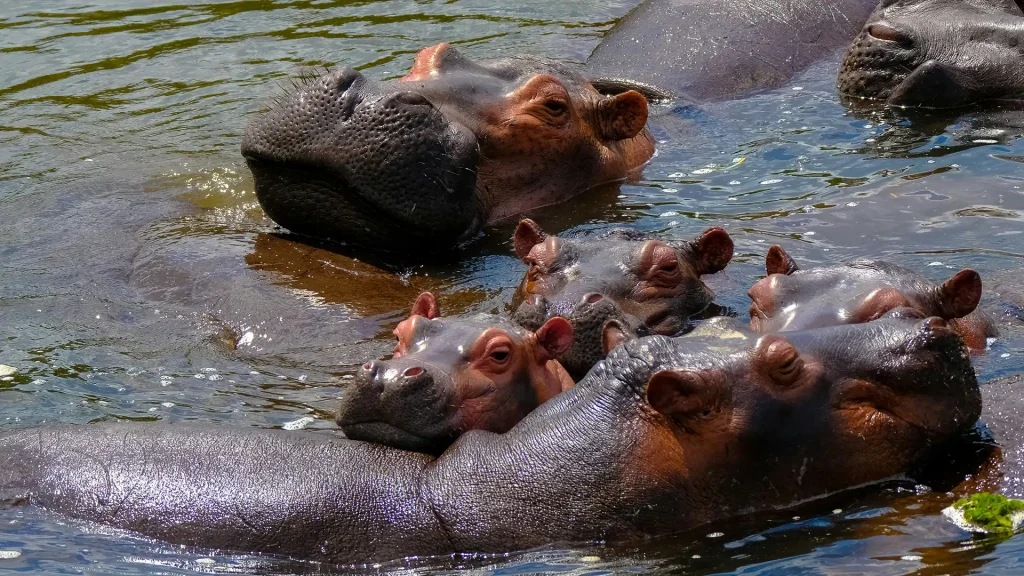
(556, 107)
(500, 355)
(669, 267)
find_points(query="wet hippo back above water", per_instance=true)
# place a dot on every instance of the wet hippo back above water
(709, 49)
(664, 435)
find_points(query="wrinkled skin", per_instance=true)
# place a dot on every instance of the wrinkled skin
(648, 286)
(663, 435)
(428, 160)
(789, 298)
(937, 53)
(710, 50)
(452, 375)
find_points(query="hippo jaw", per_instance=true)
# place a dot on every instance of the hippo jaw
(344, 159)
(929, 53)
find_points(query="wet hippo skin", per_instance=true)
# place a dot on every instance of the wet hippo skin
(707, 49)
(937, 53)
(665, 434)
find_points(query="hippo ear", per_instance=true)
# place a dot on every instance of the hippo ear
(622, 116)
(712, 251)
(527, 235)
(679, 394)
(934, 85)
(613, 335)
(778, 261)
(426, 306)
(553, 338)
(959, 295)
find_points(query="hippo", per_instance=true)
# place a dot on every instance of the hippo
(431, 158)
(426, 161)
(703, 50)
(663, 435)
(649, 286)
(789, 298)
(937, 53)
(450, 375)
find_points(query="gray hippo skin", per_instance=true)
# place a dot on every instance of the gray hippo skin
(663, 435)
(709, 49)
(937, 53)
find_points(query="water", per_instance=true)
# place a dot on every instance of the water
(140, 280)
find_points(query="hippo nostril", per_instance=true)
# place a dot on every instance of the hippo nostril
(345, 79)
(412, 372)
(411, 99)
(592, 298)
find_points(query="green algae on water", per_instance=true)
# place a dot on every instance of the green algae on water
(987, 513)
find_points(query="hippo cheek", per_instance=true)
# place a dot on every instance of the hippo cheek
(355, 161)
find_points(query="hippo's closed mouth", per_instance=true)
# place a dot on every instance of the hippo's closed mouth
(380, 429)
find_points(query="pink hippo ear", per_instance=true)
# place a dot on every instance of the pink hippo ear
(680, 394)
(622, 116)
(712, 251)
(959, 295)
(553, 338)
(777, 261)
(527, 235)
(426, 306)
(613, 335)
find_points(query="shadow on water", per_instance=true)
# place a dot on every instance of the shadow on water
(141, 281)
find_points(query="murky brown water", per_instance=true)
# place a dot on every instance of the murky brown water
(141, 280)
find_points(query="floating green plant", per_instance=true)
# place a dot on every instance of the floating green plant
(988, 513)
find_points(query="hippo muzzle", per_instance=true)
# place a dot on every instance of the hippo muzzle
(402, 403)
(351, 159)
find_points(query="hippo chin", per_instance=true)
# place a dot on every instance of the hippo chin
(642, 284)
(428, 160)
(790, 298)
(937, 53)
(664, 435)
(452, 375)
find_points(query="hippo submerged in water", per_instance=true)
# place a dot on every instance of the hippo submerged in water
(647, 285)
(790, 298)
(937, 53)
(451, 375)
(433, 157)
(663, 435)
(428, 160)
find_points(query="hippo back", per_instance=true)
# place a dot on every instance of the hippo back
(716, 49)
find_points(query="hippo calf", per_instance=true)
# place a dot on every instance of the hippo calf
(431, 158)
(452, 375)
(664, 435)
(937, 53)
(646, 285)
(789, 298)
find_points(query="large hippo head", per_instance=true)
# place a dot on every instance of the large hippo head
(937, 53)
(646, 285)
(430, 158)
(789, 298)
(450, 375)
(761, 420)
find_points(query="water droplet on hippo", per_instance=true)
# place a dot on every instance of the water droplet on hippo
(716, 534)
(910, 558)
